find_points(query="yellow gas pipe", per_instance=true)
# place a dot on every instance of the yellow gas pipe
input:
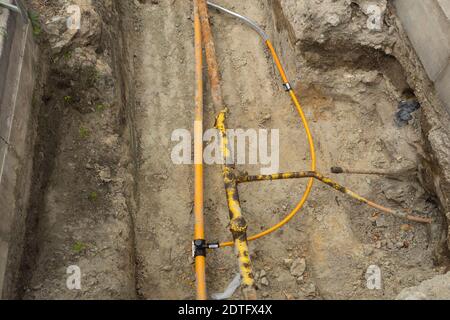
(199, 229)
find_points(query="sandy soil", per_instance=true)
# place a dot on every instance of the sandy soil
(351, 107)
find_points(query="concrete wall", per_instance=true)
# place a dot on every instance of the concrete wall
(17, 61)
(427, 24)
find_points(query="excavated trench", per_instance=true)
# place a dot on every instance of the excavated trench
(106, 196)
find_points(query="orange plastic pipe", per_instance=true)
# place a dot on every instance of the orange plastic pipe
(307, 192)
(199, 228)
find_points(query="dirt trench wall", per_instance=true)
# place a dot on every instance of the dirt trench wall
(18, 57)
(428, 27)
(82, 185)
(432, 81)
(337, 33)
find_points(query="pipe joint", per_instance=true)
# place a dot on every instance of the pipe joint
(287, 86)
(213, 245)
(238, 226)
(199, 248)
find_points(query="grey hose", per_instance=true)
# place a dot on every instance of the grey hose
(248, 21)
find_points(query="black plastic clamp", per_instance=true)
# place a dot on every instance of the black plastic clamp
(199, 248)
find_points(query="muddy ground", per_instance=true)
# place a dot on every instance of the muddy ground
(108, 198)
